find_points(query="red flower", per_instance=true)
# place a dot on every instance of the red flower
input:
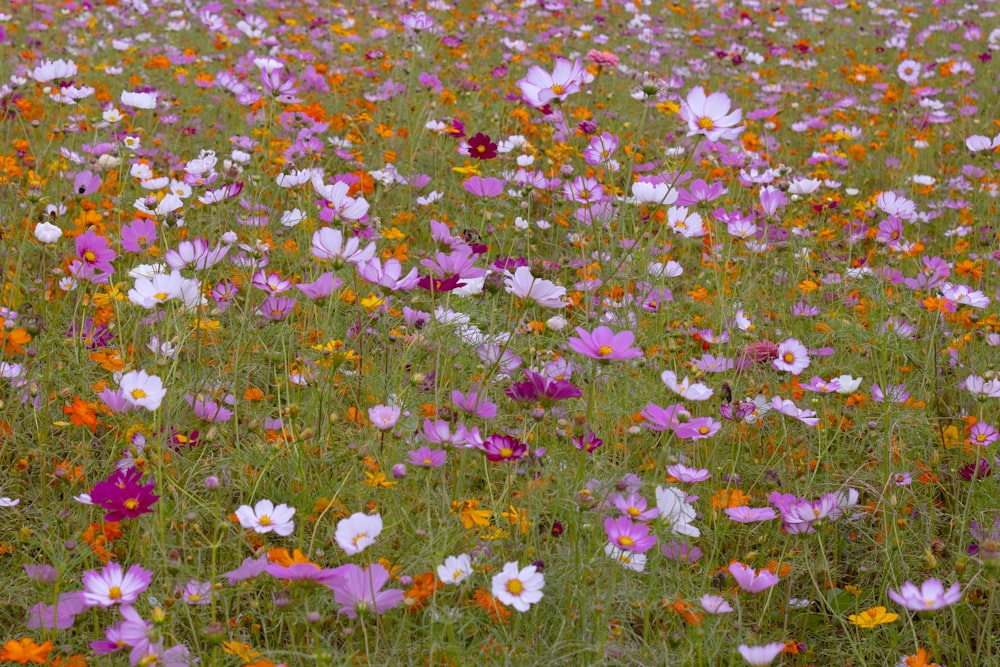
(481, 147)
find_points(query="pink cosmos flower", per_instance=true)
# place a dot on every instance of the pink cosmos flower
(682, 473)
(761, 655)
(384, 417)
(627, 535)
(539, 87)
(983, 434)
(710, 116)
(359, 590)
(750, 580)
(715, 604)
(604, 344)
(697, 429)
(750, 514)
(110, 586)
(635, 507)
(930, 596)
(328, 243)
(792, 357)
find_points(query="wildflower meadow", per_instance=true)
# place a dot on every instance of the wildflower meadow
(510, 332)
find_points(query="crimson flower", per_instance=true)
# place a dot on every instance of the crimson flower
(481, 147)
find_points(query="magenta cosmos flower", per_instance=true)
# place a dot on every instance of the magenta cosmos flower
(604, 344)
(122, 495)
(930, 596)
(792, 357)
(709, 115)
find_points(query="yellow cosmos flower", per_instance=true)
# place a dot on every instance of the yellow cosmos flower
(872, 617)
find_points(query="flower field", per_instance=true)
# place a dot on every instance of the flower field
(537, 332)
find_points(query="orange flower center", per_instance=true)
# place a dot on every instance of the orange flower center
(115, 593)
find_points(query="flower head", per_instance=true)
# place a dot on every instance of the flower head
(929, 596)
(518, 588)
(359, 590)
(358, 531)
(709, 115)
(455, 569)
(265, 517)
(604, 344)
(872, 617)
(110, 586)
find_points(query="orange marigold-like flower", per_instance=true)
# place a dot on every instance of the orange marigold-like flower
(424, 586)
(493, 607)
(25, 650)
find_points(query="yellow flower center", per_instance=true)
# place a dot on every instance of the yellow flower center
(131, 504)
(706, 123)
(160, 296)
(703, 430)
(626, 541)
(457, 574)
(138, 394)
(633, 511)
(788, 357)
(115, 593)
(604, 350)
(358, 538)
(194, 597)
(557, 89)
(506, 452)
(427, 462)
(514, 587)
(90, 255)
(264, 520)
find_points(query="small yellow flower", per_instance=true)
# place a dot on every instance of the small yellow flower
(872, 617)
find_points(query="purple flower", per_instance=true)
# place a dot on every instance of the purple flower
(483, 187)
(587, 442)
(94, 257)
(208, 410)
(473, 403)
(750, 514)
(122, 495)
(58, 616)
(276, 308)
(111, 586)
(983, 434)
(604, 344)
(680, 552)
(761, 655)
(360, 590)
(320, 288)
(929, 596)
(86, 182)
(248, 569)
(687, 475)
(425, 457)
(538, 387)
(635, 507)
(41, 574)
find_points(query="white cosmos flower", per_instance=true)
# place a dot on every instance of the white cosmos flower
(693, 391)
(676, 511)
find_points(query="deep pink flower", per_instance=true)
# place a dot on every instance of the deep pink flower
(503, 448)
(122, 495)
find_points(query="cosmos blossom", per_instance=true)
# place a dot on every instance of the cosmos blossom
(604, 344)
(710, 116)
(929, 596)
